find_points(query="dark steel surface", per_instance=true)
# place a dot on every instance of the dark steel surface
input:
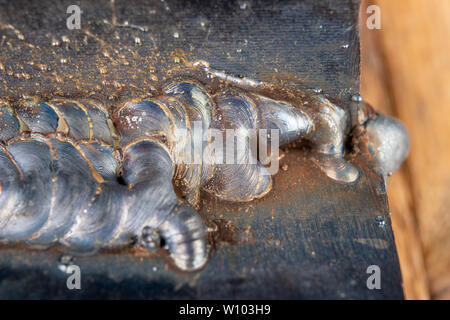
(301, 42)
(309, 238)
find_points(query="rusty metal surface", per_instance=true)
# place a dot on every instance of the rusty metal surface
(309, 238)
(303, 43)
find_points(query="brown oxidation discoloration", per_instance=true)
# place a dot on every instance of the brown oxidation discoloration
(228, 233)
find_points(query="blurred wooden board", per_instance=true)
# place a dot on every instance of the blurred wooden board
(309, 238)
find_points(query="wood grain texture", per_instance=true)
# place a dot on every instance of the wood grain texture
(406, 72)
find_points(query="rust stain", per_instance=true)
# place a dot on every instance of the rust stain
(231, 234)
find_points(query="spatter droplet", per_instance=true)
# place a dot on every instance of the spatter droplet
(243, 5)
(65, 39)
(357, 98)
(150, 238)
(380, 221)
(64, 262)
(137, 41)
(318, 90)
(176, 35)
(56, 42)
